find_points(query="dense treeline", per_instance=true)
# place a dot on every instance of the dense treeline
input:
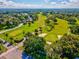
(8, 21)
(66, 48)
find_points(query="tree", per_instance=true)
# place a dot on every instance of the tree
(75, 29)
(71, 20)
(2, 48)
(35, 47)
(12, 40)
(67, 47)
(60, 16)
(49, 24)
(36, 32)
(29, 23)
(40, 29)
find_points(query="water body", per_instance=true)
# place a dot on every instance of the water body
(25, 56)
(77, 58)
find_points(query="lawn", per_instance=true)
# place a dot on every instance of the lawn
(51, 36)
(17, 34)
(41, 21)
(59, 29)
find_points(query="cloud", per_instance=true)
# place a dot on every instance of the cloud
(47, 4)
(5, 3)
(74, 1)
(11, 4)
(53, 3)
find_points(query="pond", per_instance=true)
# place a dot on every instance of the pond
(25, 56)
(77, 58)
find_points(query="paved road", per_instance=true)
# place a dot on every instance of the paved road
(13, 53)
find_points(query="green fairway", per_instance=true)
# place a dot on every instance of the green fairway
(59, 29)
(18, 34)
(51, 37)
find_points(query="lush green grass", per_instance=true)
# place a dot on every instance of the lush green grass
(51, 37)
(2, 49)
(77, 21)
(17, 34)
(59, 29)
(41, 21)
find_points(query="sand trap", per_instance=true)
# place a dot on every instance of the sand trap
(59, 37)
(48, 42)
(42, 35)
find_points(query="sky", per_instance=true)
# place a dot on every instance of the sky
(39, 3)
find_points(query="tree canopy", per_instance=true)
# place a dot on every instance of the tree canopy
(34, 46)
